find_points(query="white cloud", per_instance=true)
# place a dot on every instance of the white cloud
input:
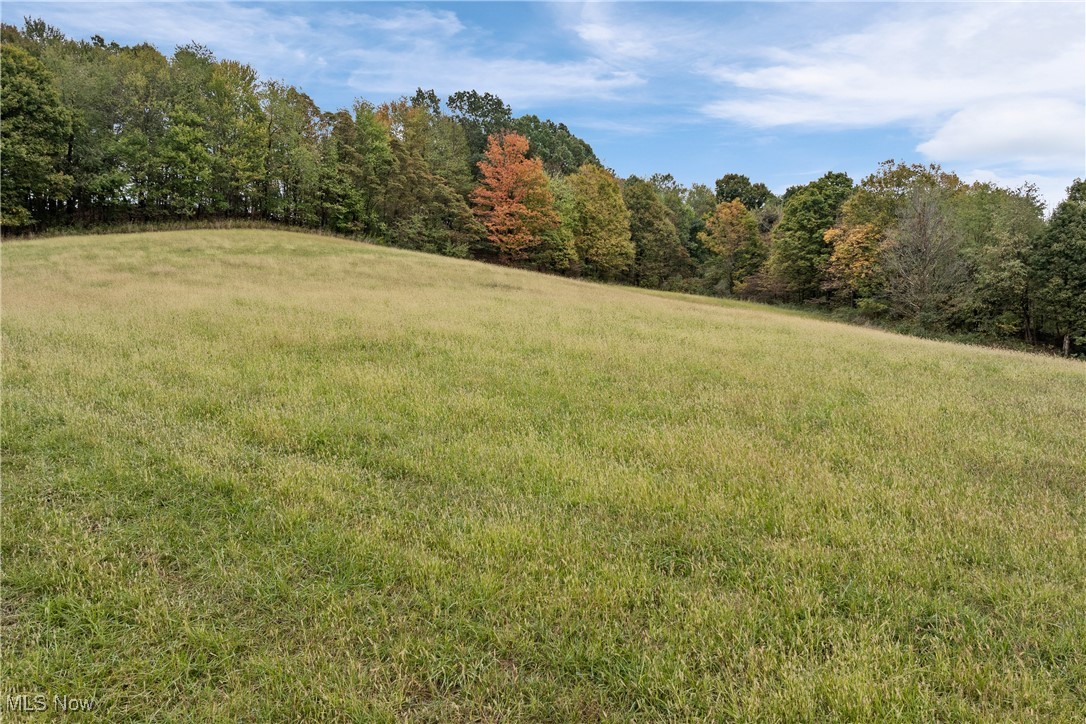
(521, 82)
(660, 44)
(1039, 132)
(409, 22)
(991, 83)
(623, 35)
(614, 42)
(449, 64)
(926, 61)
(635, 127)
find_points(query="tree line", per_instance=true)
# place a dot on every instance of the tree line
(95, 133)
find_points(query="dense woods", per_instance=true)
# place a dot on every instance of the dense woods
(95, 133)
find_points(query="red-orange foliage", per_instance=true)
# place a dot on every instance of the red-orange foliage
(512, 199)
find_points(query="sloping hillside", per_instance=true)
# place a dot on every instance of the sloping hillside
(251, 474)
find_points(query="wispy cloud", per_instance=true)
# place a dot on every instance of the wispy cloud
(983, 82)
(1039, 132)
(443, 53)
(522, 82)
(628, 34)
(410, 22)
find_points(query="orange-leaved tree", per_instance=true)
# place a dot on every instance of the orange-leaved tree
(513, 200)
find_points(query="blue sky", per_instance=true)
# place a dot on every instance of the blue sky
(782, 92)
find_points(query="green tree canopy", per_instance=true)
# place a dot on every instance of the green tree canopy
(731, 234)
(34, 131)
(601, 229)
(292, 163)
(1058, 270)
(734, 186)
(660, 255)
(562, 153)
(480, 115)
(800, 253)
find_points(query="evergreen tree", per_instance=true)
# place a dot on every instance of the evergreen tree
(1058, 270)
(423, 211)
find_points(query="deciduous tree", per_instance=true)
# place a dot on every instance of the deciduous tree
(660, 255)
(854, 273)
(731, 234)
(481, 115)
(561, 152)
(237, 137)
(737, 186)
(513, 199)
(998, 227)
(34, 131)
(292, 161)
(924, 267)
(800, 252)
(601, 230)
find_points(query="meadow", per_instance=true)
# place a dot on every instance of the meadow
(254, 475)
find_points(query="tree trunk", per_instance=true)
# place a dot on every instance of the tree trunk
(1067, 345)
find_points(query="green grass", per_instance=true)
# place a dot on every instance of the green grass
(255, 474)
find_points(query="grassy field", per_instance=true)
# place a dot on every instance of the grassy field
(253, 475)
